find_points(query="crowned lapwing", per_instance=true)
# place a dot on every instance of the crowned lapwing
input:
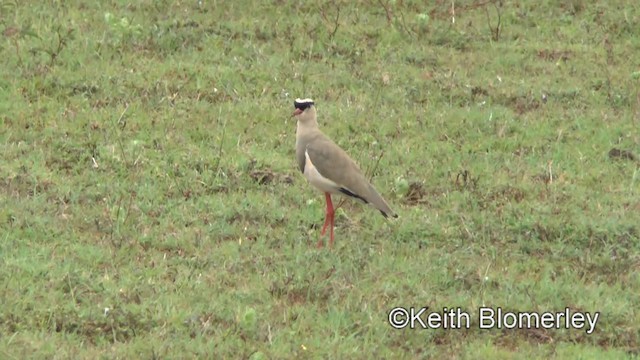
(327, 167)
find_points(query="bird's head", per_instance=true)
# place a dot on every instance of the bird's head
(305, 110)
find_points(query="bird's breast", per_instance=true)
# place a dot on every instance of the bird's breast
(316, 179)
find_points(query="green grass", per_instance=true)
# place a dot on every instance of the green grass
(152, 207)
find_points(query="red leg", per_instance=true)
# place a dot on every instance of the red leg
(328, 220)
(331, 238)
(324, 229)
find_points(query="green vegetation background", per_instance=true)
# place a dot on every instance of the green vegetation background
(151, 206)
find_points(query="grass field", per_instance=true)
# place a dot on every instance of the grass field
(152, 207)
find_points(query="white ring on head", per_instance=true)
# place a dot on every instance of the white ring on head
(303, 101)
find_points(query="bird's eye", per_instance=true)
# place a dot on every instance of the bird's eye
(302, 106)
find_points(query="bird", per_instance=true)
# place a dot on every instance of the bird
(329, 168)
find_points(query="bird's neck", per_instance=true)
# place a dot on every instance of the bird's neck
(306, 126)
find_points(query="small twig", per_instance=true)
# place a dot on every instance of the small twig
(486, 271)
(71, 288)
(466, 229)
(222, 137)
(453, 12)
(113, 331)
(404, 24)
(336, 21)
(369, 174)
(123, 111)
(495, 33)
(387, 11)
(389, 15)
(499, 24)
(61, 44)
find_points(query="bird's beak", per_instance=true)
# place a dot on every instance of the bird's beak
(296, 112)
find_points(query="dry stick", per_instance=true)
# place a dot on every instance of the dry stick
(404, 24)
(453, 12)
(336, 22)
(389, 16)
(375, 167)
(495, 33)
(224, 132)
(498, 25)
(466, 229)
(387, 11)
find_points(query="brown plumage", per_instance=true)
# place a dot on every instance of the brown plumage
(327, 167)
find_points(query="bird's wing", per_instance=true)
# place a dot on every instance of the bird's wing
(334, 164)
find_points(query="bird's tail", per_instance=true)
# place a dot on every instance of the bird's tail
(378, 202)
